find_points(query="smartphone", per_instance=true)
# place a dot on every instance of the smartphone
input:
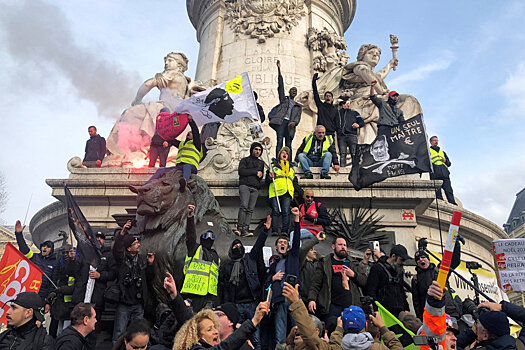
(346, 263)
(291, 279)
(269, 297)
(373, 245)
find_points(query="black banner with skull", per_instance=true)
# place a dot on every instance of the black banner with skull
(399, 151)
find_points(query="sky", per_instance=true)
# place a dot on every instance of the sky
(70, 64)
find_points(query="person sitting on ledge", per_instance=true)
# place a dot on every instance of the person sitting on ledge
(317, 149)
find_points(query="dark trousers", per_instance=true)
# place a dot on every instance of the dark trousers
(331, 318)
(283, 133)
(346, 142)
(158, 152)
(284, 201)
(248, 198)
(447, 187)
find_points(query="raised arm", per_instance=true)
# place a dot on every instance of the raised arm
(195, 134)
(257, 249)
(294, 252)
(143, 90)
(280, 83)
(22, 245)
(317, 99)
(191, 235)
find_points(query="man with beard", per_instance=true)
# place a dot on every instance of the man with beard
(335, 285)
(22, 330)
(385, 280)
(426, 273)
(201, 266)
(327, 113)
(389, 114)
(314, 217)
(240, 279)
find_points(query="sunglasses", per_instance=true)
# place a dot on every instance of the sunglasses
(309, 197)
(208, 235)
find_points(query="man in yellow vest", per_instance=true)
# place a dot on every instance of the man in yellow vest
(441, 163)
(188, 158)
(201, 267)
(318, 149)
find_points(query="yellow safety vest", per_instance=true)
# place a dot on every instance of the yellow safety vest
(283, 183)
(201, 276)
(436, 156)
(327, 143)
(69, 298)
(189, 154)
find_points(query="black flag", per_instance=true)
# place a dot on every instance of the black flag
(399, 151)
(87, 245)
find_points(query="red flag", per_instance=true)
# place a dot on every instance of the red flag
(17, 274)
(171, 125)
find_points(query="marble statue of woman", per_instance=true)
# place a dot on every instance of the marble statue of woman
(130, 138)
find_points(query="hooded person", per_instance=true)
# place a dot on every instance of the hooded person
(201, 266)
(251, 170)
(241, 279)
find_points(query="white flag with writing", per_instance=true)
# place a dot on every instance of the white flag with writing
(226, 102)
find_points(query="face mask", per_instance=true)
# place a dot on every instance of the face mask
(207, 243)
(237, 252)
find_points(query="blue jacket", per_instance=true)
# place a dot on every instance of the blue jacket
(517, 313)
(467, 337)
(292, 267)
(48, 264)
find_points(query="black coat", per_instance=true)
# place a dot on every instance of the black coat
(60, 309)
(253, 264)
(95, 148)
(387, 291)
(248, 168)
(344, 121)
(71, 339)
(327, 113)
(25, 337)
(420, 283)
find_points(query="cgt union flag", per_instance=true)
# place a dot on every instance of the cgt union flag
(226, 102)
(17, 274)
(401, 150)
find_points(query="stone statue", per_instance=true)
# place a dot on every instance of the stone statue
(328, 48)
(130, 138)
(355, 84)
(263, 19)
(161, 220)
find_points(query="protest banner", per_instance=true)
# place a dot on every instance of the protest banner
(510, 261)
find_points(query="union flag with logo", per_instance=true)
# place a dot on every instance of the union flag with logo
(17, 274)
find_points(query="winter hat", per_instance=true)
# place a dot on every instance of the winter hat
(354, 319)
(495, 322)
(128, 240)
(255, 144)
(230, 310)
(420, 254)
(410, 321)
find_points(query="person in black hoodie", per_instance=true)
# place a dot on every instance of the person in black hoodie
(22, 330)
(426, 273)
(83, 321)
(251, 171)
(441, 163)
(347, 123)
(326, 111)
(95, 149)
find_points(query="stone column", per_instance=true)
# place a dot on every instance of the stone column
(238, 36)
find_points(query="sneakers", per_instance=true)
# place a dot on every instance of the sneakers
(325, 176)
(237, 232)
(243, 233)
(308, 176)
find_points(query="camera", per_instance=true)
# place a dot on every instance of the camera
(473, 265)
(425, 340)
(422, 244)
(367, 304)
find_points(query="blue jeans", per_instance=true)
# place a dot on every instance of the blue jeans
(281, 318)
(125, 314)
(187, 170)
(324, 162)
(304, 235)
(284, 200)
(283, 133)
(246, 312)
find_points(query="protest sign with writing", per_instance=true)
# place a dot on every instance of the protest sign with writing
(510, 260)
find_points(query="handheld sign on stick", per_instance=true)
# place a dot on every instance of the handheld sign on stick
(449, 249)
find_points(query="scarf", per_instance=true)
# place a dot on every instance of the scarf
(285, 167)
(236, 255)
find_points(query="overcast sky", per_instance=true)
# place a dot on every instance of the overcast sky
(70, 64)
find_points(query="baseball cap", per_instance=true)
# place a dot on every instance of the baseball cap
(30, 300)
(230, 310)
(400, 251)
(392, 93)
(420, 254)
(101, 235)
(354, 319)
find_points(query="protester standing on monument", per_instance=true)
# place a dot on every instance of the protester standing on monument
(385, 280)
(441, 163)
(240, 279)
(201, 266)
(134, 278)
(326, 111)
(281, 190)
(83, 321)
(159, 148)
(251, 170)
(286, 264)
(23, 332)
(314, 217)
(335, 284)
(285, 117)
(259, 108)
(318, 149)
(347, 123)
(389, 114)
(95, 149)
